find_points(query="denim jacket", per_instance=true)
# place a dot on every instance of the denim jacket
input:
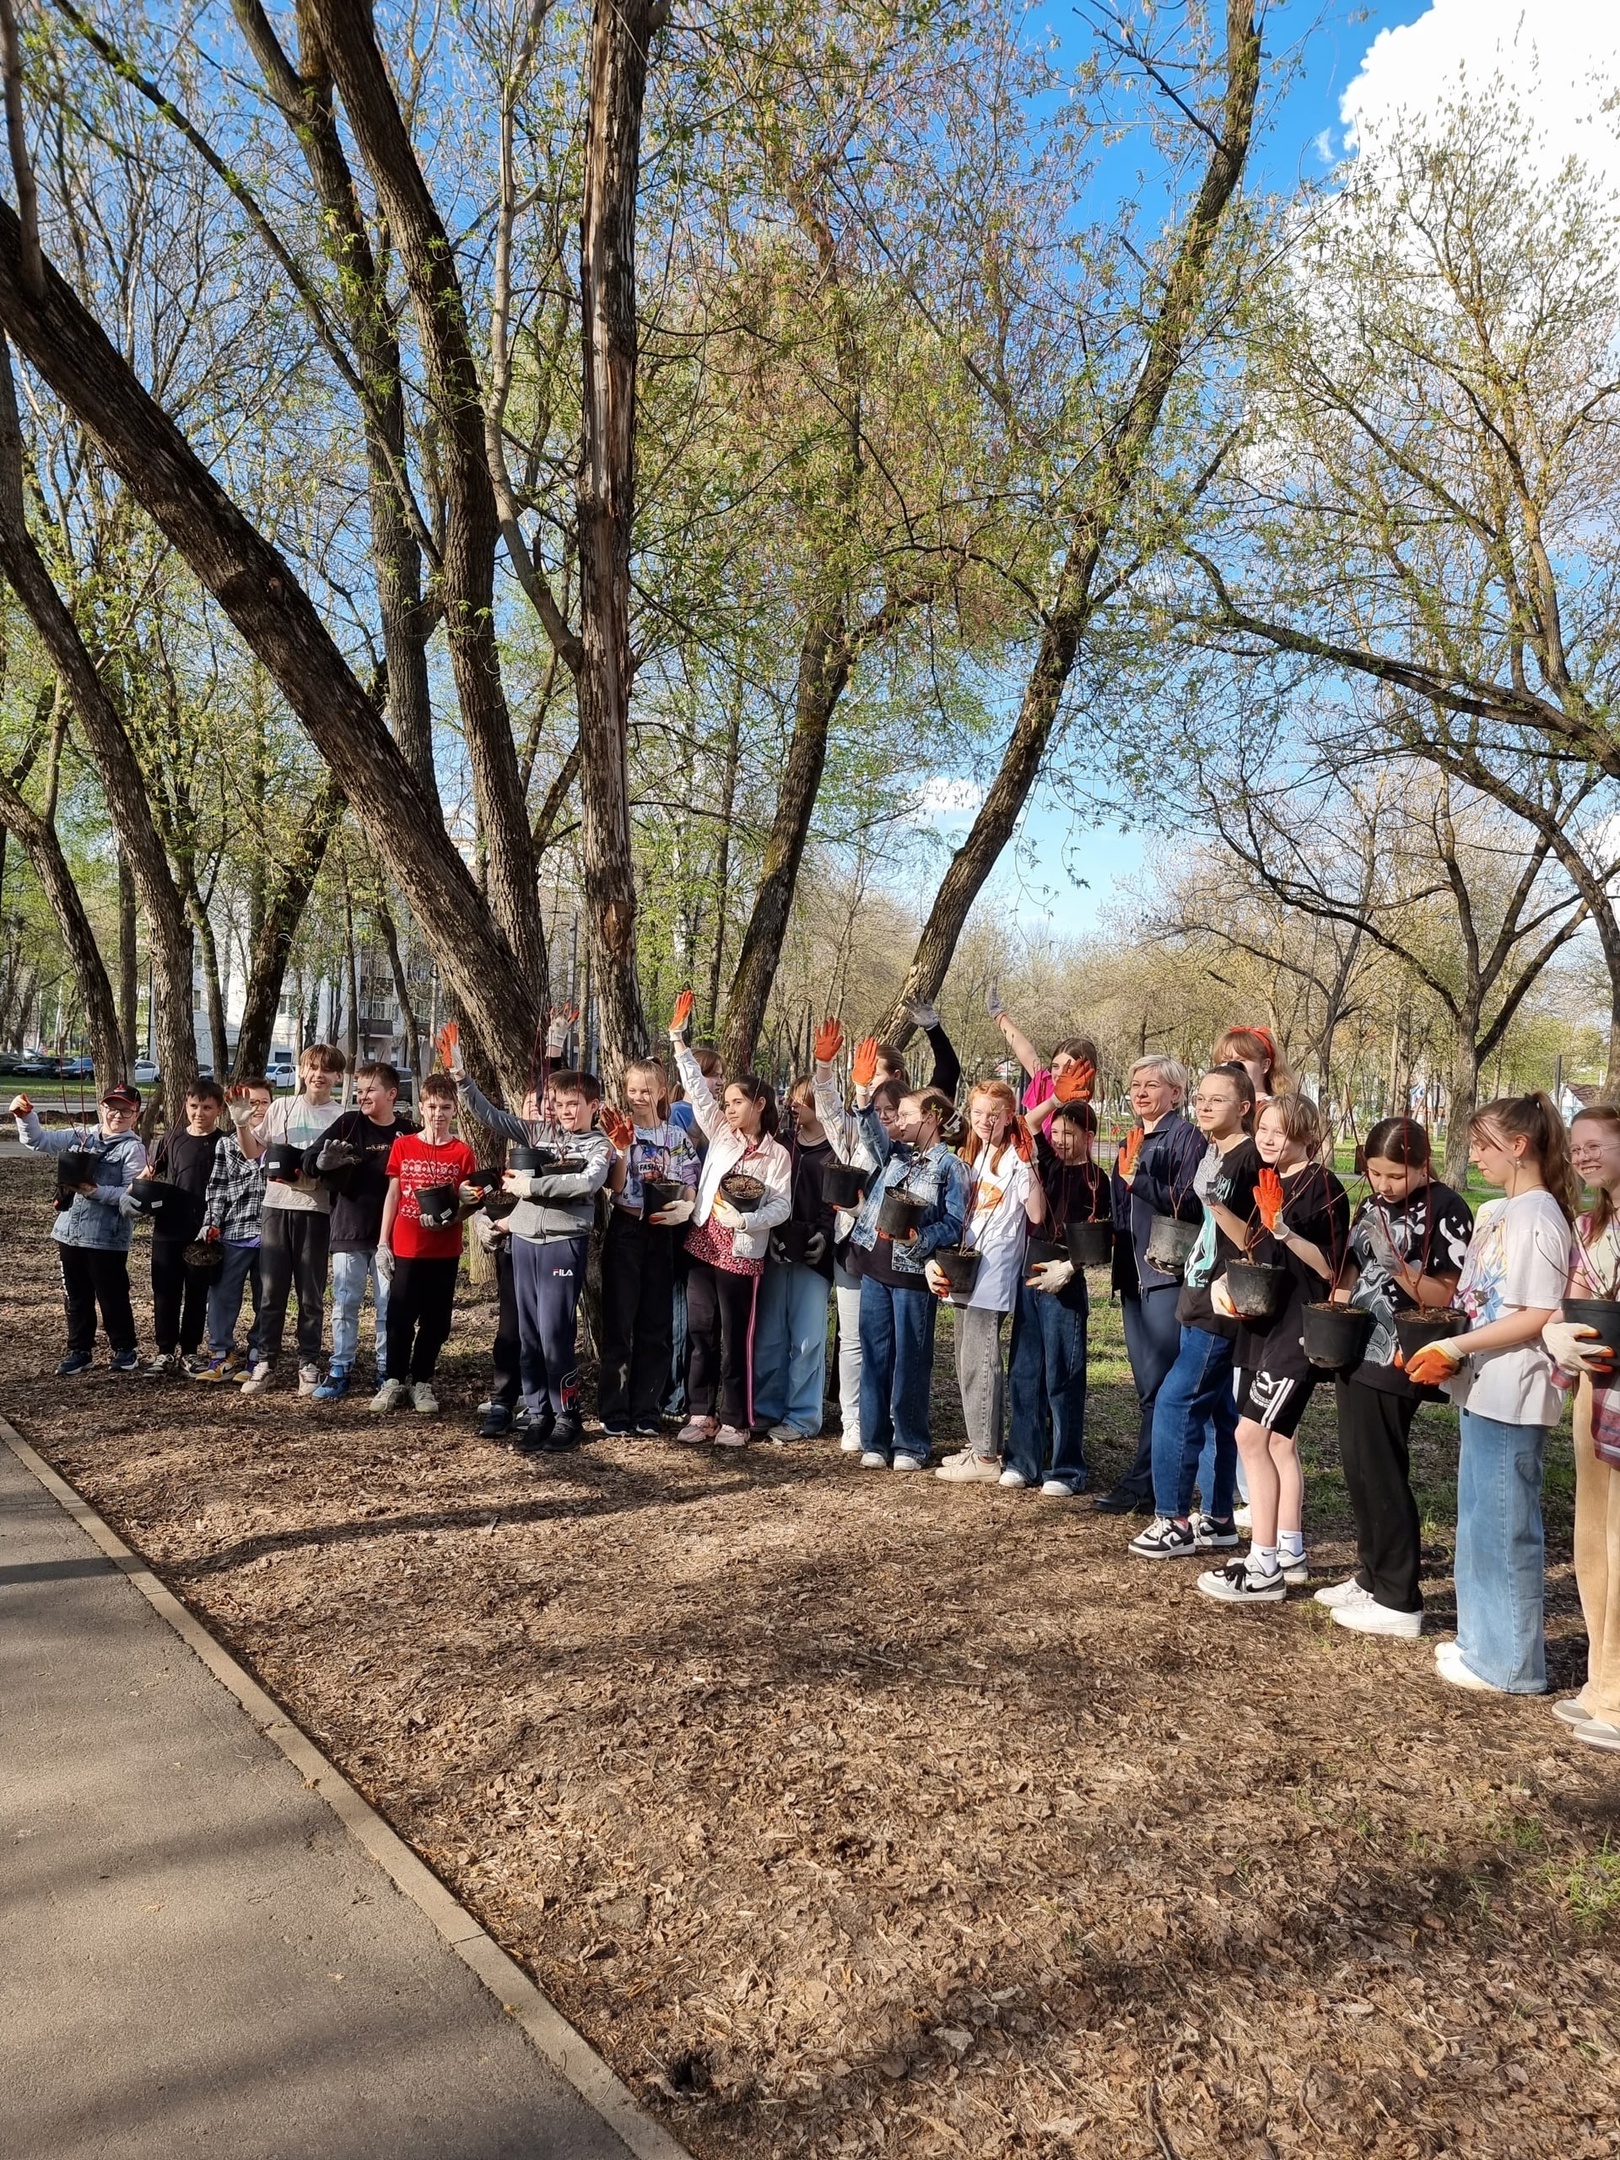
(91, 1221)
(938, 1176)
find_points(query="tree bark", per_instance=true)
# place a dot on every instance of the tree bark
(402, 988)
(128, 964)
(278, 622)
(283, 911)
(213, 990)
(1118, 468)
(37, 838)
(1464, 1091)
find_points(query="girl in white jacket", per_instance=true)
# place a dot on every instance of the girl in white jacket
(726, 1246)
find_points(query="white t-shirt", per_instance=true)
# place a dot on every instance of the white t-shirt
(1517, 1257)
(997, 1220)
(300, 1123)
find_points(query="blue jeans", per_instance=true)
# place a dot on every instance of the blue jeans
(351, 1271)
(1501, 1558)
(1152, 1343)
(1046, 1390)
(238, 1268)
(1197, 1388)
(897, 1363)
(790, 1345)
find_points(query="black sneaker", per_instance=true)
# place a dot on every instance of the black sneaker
(124, 1361)
(566, 1432)
(532, 1437)
(620, 1429)
(649, 1429)
(76, 1361)
(1120, 1502)
(1165, 1539)
(496, 1423)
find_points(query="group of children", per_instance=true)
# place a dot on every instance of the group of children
(733, 1223)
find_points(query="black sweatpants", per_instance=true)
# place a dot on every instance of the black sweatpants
(547, 1278)
(179, 1297)
(1374, 1428)
(421, 1305)
(92, 1277)
(294, 1244)
(719, 1343)
(638, 1319)
(507, 1384)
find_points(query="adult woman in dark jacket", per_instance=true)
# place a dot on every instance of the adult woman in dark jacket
(1152, 1176)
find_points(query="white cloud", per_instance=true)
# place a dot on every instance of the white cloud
(1564, 55)
(942, 799)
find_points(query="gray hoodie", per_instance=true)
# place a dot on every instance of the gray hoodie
(559, 1205)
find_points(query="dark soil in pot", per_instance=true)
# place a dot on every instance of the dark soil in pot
(744, 1192)
(1413, 1330)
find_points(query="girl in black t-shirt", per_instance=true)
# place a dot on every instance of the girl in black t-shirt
(1407, 1246)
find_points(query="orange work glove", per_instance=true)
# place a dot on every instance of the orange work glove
(1434, 1363)
(1075, 1082)
(863, 1070)
(1130, 1149)
(619, 1129)
(829, 1041)
(1269, 1197)
(682, 1013)
(448, 1044)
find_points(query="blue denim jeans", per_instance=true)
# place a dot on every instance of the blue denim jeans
(1197, 1388)
(1152, 1343)
(897, 1362)
(1046, 1390)
(351, 1271)
(790, 1345)
(1501, 1556)
(238, 1268)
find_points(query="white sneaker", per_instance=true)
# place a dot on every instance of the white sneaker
(1371, 1618)
(1348, 1592)
(1243, 1516)
(1571, 1711)
(696, 1432)
(388, 1397)
(1296, 1567)
(850, 1444)
(731, 1436)
(258, 1380)
(904, 1462)
(1236, 1584)
(309, 1379)
(1053, 1488)
(423, 1399)
(1598, 1733)
(1448, 1663)
(872, 1460)
(969, 1469)
(1014, 1480)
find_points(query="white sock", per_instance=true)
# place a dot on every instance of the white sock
(1292, 1543)
(1262, 1559)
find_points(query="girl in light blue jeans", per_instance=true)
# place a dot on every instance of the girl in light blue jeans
(1500, 1376)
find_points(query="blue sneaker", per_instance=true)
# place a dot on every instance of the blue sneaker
(123, 1361)
(76, 1361)
(335, 1386)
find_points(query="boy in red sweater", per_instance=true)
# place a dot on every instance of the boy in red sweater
(419, 1251)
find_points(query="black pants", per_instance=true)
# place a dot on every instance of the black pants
(1374, 1428)
(719, 1343)
(179, 1297)
(508, 1381)
(638, 1319)
(91, 1277)
(421, 1305)
(293, 1247)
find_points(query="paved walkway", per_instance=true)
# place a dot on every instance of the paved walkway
(195, 1954)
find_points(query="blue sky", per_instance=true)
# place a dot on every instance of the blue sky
(1396, 53)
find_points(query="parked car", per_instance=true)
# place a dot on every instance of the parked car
(29, 1064)
(77, 1068)
(146, 1073)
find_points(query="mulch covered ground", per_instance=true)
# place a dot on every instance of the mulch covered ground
(854, 1815)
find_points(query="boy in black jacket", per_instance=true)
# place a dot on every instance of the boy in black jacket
(351, 1160)
(180, 1291)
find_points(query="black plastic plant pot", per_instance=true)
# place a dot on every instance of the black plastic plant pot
(1603, 1314)
(1255, 1289)
(79, 1166)
(206, 1258)
(1414, 1330)
(1091, 1244)
(1170, 1243)
(658, 1193)
(529, 1161)
(746, 1194)
(498, 1205)
(791, 1240)
(437, 1206)
(959, 1267)
(486, 1181)
(1335, 1335)
(900, 1214)
(1041, 1252)
(283, 1163)
(155, 1198)
(843, 1185)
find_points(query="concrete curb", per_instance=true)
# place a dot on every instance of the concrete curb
(569, 2054)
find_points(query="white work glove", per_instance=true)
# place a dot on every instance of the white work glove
(242, 1107)
(1380, 1245)
(1221, 1298)
(815, 1246)
(1577, 1349)
(519, 1184)
(126, 1203)
(487, 1231)
(728, 1217)
(921, 1015)
(678, 1211)
(936, 1278)
(559, 1028)
(993, 1005)
(385, 1263)
(1051, 1275)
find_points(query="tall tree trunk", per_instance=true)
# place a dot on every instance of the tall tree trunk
(823, 672)
(1464, 1091)
(605, 495)
(1118, 470)
(402, 988)
(213, 989)
(351, 983)
(128, 964)
(283, 912)
(278, 622)
(722, 870)
(37, 837)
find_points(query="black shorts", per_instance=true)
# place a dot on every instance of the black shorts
(1275, 1401)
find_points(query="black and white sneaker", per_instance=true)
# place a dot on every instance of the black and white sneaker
(1165, 1539)
(1240, 1583)
(1210, 1534)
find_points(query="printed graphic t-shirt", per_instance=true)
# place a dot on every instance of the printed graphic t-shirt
(418, 1163)
(1430, 1230)
(997, 1220)
(1226, 1181)
(1519, 1257)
